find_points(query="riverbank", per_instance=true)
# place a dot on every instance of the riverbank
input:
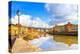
(65, 33)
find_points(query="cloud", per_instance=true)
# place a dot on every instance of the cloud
(60, 13)
(26, 20)
(39, 23)
(61, 23)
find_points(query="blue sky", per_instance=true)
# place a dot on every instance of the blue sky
(47, 14)
(33, 9)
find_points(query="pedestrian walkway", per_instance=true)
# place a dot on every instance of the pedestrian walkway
(21, 46)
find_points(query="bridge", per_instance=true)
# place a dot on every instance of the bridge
(42, 29)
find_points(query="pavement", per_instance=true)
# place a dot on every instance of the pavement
(21, 46)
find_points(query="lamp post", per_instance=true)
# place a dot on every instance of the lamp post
(18, 14)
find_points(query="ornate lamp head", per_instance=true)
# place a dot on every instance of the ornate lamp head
(18, 13)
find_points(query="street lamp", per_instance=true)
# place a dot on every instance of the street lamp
(18, 14)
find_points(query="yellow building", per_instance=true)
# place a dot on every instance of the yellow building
(13, 30)
(23, 31)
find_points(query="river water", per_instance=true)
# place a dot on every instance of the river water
(55, 42)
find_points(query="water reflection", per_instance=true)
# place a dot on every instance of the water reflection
(66, 39)
(50, 43)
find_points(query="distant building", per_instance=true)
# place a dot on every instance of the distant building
(18, 25)
(70, 27)
(58, 28)
(65, 28)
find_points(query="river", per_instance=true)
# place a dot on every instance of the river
(56, 42)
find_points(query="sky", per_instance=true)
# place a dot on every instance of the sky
(42, 14)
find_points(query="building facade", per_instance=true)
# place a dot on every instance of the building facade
(71, 27)
(66, 28)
